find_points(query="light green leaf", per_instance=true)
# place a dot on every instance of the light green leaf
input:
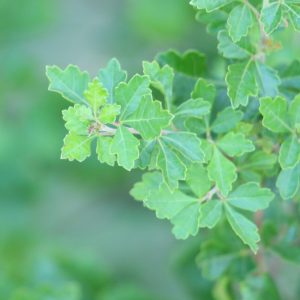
(259, 161)
(129, 95)
(197, 179)
(271, 16)
(239, 22)
(241, 83)
(161, 78)
(275, 115)
(226, 120)
(185, 143)
(149, 118)
(96, 95)
(210, 213)
(111, 76)
(288, 182)
(290, 79)
(109, 113)
(250, 196)
(76, 147)
(204, 90)
(78, 119)
(289, 154)
(244, 229)
(70, 83)
(196, 108)
(148, 154)
(294, 112)
(294, 14)
(222, 171)
(103, 150)
(209, 5)
(126, 146)
(231, 50)
(235, 144)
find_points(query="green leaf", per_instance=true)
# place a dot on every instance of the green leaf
(149, 118)
(196, 108)
(209, 5)
(204, 90)
(235, 144)
(129, 95)
(294, 15)
(214, 21)
(271, 16)
(78, 119)
(231, 50)
(243, 228)
(239, 22)
(161, 78)
(241, 83)
(250, 196)
(259, 161)
(126, 146)
(70, 83)
(210, 213)
(76, 147)
(226, 120)
(148, 154)
(103, 150)
(222, 171)
(294, 112)
(288, 252)
(275, 115)
(288, 182)
(111, 76)
(185, 143)
(197, 179)
(289, 154)
(290, 80)
(96, 95)
(109, 113)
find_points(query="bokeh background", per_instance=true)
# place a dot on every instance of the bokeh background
(70, 231)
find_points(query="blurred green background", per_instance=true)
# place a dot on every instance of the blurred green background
(70, 231)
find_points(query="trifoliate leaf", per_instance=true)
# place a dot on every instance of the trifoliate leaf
(185, 143)
(244, 229)
(96, 95)
(288, 182)
(222, 171)
(294, 112)
(111, 76)
(235, 144)
(231, 50)
(196, 108)
(210, 213)
(294, 15)
(209, 5)
(289, 154)
(250, 196)
(161, 78)
(197, 179)
(78, 118)
(103, 150)
(241, 83)
(271, 16)
(226, 120)
(70, 83)
(149, 118)
(267, 79)
(173, 169)
(129, 95)
(239, 22)
(275, 115)
(76, 147)
(204, 90)
(109, 113)
(126, 146)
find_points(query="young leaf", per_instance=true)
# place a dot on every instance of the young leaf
(126, 146)
(239, 21)
(241, 83)
(271, 16)
(204, 90)
(109, 113)
(210, 5)
(244, 229)
(96, 95)
(275, 115)
(111, 76)
(70, 83)
(222, 171)
(250, 196)
(289, 154)
(76, 147)
(103, 150)
(129, 95)
(235, 144)
(196, 108)
(210, 213)
(149, 118)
